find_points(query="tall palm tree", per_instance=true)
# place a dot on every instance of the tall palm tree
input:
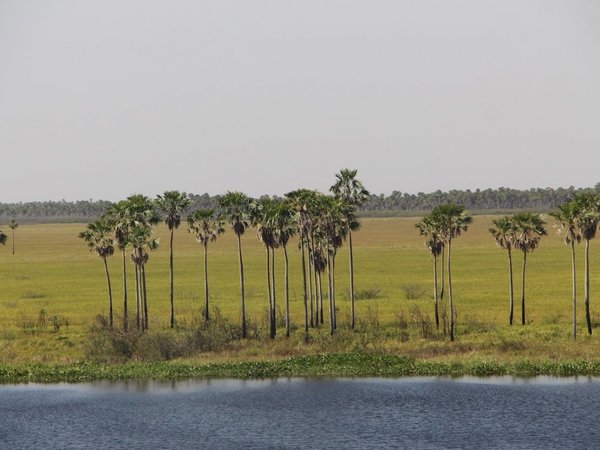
(99, 240)
(348, 188)
(429, 227)
(588, 225)
(172, 204)
(333, 224)
(135, 211)
(568, 216)
(116, 216)
(262, 217)
(235, 209)
(141, 240)
(13, 224)
(206, 227)
(299, 202)
(285, 220)
(453, 222)
(504, 233)
(307, 204)
(529, 231)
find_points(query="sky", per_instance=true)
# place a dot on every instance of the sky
(103, 98)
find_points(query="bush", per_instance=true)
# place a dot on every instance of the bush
(413, 291)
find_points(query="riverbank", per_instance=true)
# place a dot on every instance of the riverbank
(331, 365)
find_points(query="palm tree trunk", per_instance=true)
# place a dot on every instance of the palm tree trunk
(206, 313)
(145, 296)
(13, 248)
(310, 281)
(321, 297)
(243, 303)
(171, 280)
(305, 296)
(510, 288)
(274, 309)
(287, 294)
(125, 323)
(523, 288)
(330, 292)
(333, 289)
(137, 296)
(574, 289)
(435, 293)
(450, 290)
(318, 319)
(352, 318)
(110, 303)
(269, 296)
(588, 318)
(443, 275)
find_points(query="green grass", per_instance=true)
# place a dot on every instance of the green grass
(53, 271)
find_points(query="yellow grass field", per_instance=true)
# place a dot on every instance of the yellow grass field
(53, 271)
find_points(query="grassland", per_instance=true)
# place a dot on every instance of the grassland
(53, 271)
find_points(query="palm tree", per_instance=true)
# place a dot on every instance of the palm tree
(306, 203)
(529, 231)
(434, 242)
(206, 227)
(569, 217)
(284, 219)
(588, 225)
(262, 217)
(333, 225)
(13, 224)
(234, 209)
(348, 188)
(298, 201)
(137, 210)
(504, 233)
(172, 204)
(453, 221)
(141, 239)
(116, 216)
(99, 240)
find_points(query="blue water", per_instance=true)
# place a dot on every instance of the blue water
(409, 413)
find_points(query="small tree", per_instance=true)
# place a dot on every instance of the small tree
(13, 224)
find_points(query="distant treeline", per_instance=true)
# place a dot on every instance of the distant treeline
(500, 199)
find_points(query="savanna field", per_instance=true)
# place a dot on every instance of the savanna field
(54, 280)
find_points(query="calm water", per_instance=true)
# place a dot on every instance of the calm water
(305, 413)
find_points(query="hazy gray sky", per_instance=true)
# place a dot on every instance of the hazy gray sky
(101, 99)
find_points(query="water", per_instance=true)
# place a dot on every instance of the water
(305, 413)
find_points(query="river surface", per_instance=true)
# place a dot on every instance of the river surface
(372, 413)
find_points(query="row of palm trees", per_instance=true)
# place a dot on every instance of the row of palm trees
(322, 222)
(576, 219)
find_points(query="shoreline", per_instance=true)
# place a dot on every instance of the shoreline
(320, 365)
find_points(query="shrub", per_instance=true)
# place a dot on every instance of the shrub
(413, 291)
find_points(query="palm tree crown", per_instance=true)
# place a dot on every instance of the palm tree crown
(98, 238)
(173, 204)
(205, 225)
(530, 229)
